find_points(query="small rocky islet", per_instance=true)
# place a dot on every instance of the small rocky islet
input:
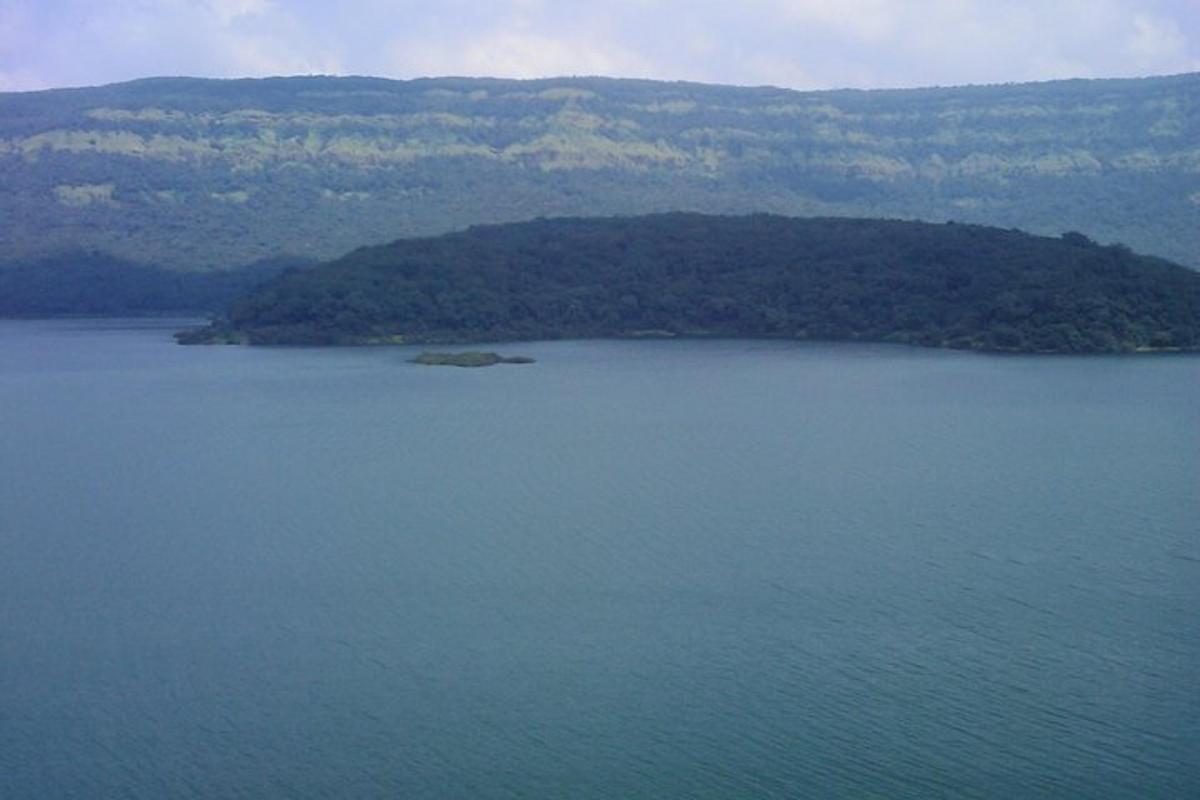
(469, 358)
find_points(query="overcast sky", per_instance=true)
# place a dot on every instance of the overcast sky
(802, 44)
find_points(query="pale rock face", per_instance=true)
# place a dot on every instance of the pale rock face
(208, 174)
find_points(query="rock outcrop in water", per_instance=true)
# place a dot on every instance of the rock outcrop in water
(470, 358)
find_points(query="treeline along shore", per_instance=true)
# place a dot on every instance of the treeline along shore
(942, 285)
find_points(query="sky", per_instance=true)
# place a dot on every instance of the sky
(800, 44)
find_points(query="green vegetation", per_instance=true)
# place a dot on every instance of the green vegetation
(211, 175)
(469, 358)
(101, 285)
(949, 285)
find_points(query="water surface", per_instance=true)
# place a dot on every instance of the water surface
(632, 569)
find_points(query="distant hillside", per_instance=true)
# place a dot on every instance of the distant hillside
(950, 285)
(97, 284)
(206, 174)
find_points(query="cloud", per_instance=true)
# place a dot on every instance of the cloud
(256, 54)
(517, 54)
(863, 20)
(226, 11)
(21, 82)
(798, 43)
(891, 43)
(123, 39)
(1158, 41)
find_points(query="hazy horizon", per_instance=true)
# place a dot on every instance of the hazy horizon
(794, 44)
(568, 77)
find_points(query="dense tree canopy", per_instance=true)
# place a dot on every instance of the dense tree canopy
(950, 285)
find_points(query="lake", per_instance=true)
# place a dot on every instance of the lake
(633, 569)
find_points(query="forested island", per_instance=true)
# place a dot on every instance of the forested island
(942, 285)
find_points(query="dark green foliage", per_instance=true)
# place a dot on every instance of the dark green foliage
(100, 285)
(950, 285)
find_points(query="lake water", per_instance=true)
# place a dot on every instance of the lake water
(632, 569)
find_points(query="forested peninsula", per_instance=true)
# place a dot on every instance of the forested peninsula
(942, 285)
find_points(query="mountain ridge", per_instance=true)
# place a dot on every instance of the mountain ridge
(211, 174)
